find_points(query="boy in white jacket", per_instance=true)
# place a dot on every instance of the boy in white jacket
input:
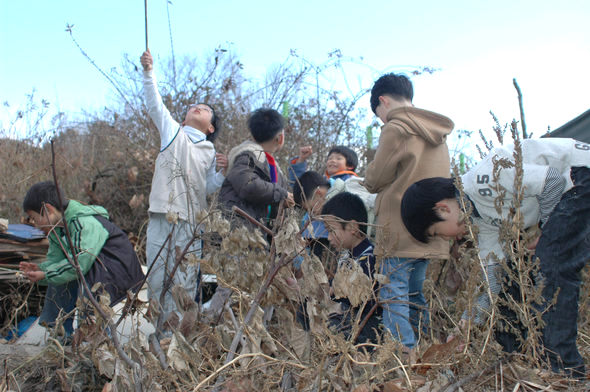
(185, 173)
(555, 196)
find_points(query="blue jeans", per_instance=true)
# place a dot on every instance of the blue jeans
(563, 250)
(404, 305)
(60, 300)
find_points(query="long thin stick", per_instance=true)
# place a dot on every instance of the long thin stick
(520, 106)
(146, 24)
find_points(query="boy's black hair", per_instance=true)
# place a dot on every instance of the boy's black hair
(216, 124)
(265, 124)
(306, 185)
(352, 159)
(396, 86)
(347, 206)
(418, 203)
(43, 193)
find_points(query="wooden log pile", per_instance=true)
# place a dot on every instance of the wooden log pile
(14, 249)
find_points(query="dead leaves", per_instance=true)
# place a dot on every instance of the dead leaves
(351, 282)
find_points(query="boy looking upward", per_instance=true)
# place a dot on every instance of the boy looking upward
(412, 146)
(254, 181)
(184, 174)
(556, 196)
(102, 249)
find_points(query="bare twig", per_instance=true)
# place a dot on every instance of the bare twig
(252, 220)
(271, 275)
(520, 105)
(457, 385)
(129, 304)
(274, 269)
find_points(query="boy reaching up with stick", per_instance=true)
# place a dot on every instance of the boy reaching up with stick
(185, 173)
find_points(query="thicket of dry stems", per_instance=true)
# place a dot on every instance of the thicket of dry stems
(109, 160)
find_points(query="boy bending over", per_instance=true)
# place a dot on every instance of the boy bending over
(556, 196)
(103, 251)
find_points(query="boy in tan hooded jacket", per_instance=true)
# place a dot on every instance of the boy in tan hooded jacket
(412, 146)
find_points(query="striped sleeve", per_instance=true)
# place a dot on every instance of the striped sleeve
(483, 305)
(551, 194)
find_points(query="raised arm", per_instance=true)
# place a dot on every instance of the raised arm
(158, 112)
(298, 165)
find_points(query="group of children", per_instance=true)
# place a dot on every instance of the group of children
(417, 212)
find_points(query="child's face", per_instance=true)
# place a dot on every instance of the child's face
(317, 200)
(281, 140)
(336, 163)
(46, 219)
(451, 227)
(340, 237)
(199, 116)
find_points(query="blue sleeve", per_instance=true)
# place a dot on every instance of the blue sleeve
(296, 170)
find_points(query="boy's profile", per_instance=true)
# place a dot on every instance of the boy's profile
(556, 196)
(184, 174)
(309, 193)
(102, 249)
(412, 146)
(345, 217)
(254, 181)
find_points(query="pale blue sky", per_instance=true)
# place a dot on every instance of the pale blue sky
(479, 46)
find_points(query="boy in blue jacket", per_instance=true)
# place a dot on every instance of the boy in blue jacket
(103, 251)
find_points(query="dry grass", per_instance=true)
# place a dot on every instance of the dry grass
(110, 162)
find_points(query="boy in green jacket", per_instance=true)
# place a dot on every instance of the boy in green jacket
(102, 249)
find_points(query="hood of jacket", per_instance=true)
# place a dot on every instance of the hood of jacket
(431, 126)
(247, 146)
(76, 209)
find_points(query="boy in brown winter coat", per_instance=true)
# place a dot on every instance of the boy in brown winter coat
(412, 146)
(254, 182)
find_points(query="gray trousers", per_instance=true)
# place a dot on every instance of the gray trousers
(186, 275)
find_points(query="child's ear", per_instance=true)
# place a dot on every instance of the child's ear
(48, 209)
(353, 226)
(442, 208)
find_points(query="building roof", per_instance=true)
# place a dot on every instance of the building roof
(578, 128)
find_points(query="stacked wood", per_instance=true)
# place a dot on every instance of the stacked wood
(13, 252)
